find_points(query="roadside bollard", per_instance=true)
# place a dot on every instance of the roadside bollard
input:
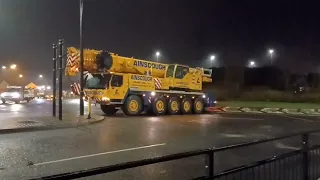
(89, 108)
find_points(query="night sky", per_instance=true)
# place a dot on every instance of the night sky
(183, 31)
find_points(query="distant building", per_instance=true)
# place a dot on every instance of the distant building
(31, 85)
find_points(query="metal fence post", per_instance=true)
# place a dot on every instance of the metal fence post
(54, 81)
(210, 164)
(305, 156)
(60, 77)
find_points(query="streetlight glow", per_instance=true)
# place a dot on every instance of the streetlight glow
(252, 63)
(20, 75)
(4, 67)
(271, 51)
(40, 76)
(157, 54)
(212, 58)
(13, 66)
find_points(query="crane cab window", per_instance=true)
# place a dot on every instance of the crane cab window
(97, 81)
(116, 81)
(181, 71)
(170, 71)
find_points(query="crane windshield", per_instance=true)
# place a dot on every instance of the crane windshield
(98, 81)
(170, 71)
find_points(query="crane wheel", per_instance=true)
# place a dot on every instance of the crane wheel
(174, 106)
(108, 110)
(198, 106)
(159, 106)
(133, 105)
(186, 106)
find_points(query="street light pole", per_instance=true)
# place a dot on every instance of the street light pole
(81, 60)
(60, 77)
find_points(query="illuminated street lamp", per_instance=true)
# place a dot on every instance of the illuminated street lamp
(40, 76)
(4, 67)
(212, 58)
(20, 75)
(157, 54)
(271, 51)
(252, 63)
(48, 87)
(13, 66)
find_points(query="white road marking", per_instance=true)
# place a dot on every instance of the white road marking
(282, 146)
(297, 118)
(98, 154)
(233, 135)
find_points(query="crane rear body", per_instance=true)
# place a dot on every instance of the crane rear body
(137, 86)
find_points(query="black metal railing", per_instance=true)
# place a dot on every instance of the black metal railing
(299, 164)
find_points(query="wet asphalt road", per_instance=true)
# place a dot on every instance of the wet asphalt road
(120, 139)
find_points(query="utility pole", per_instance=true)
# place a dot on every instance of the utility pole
(81, 60)
(54, 77)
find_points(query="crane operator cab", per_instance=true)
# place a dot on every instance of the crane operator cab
(182, 77)
(106, 87)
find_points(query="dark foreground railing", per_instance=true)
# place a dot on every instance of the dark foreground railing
(299, 164)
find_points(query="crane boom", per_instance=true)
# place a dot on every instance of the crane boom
(101, 61)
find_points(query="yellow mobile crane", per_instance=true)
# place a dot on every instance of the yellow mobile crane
(136, 85)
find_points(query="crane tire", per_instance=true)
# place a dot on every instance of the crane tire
(133, 106)
(108, 110)
(159, 106)
(198, 106)
(186, 106)
(174, 106)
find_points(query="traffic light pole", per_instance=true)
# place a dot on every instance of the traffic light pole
(54, 77)
(60, 77)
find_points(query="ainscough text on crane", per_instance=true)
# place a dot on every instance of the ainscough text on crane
(149, 65)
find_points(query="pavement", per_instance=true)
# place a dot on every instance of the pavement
(37, 115)
(120, 139)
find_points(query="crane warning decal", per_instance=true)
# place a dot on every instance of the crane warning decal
(157, 83)
(149, 65)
